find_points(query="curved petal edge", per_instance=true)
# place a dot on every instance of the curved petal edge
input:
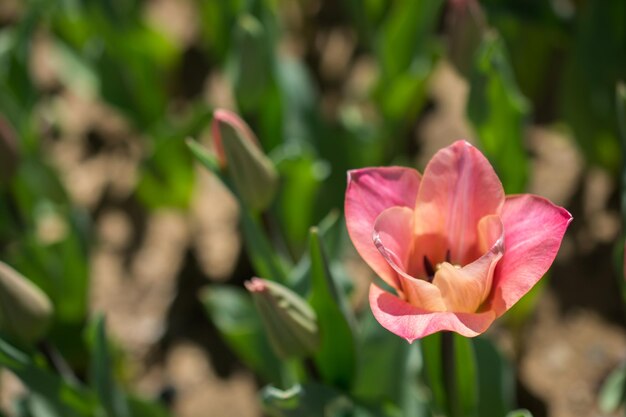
(534, 229)
(370, 191)
(411, 323)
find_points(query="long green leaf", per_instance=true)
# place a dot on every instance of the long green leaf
(60, 398)
(498, 111)
(383, 361)
(336, 358)
(101, 372)
(613, 391)
(495, 380)
(466, 376)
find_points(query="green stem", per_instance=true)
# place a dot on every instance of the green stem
(292, 373)
(57, 362)
(448, 366)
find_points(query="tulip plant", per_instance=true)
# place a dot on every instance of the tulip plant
(453, 254)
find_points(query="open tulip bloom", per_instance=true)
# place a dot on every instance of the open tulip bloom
(457, 252)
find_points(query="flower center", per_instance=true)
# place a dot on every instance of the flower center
(431, 270)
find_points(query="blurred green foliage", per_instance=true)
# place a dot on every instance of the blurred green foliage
(528, 62)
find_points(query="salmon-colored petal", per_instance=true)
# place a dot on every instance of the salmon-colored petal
(533, 230)
(371, 191)
(465, 289)
(393, 236)
(459, 187)
(410, 322)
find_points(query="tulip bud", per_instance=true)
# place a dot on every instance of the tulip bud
(25, 310)
(290, 322)
(238, 150)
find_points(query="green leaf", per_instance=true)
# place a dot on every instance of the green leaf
(142, 408)
(498, 111)
(388, 372)
(405, 34)
(217, 20)
(52, 393)
(520, 413)
(336, 357)
(466, 375)
(101, 371)
(267, 264)
(433, 370)
(309, 400)
(301, 178)
(251, 62)
(301, 119)
(596, 62)
(58, 262)
(132, 60)
(496, 381)
(167, 177)
(202, 155)
(613, 392)
(406, 46)
(234, 315)
(382, 371)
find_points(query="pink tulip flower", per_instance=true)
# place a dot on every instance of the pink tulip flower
(457, 252)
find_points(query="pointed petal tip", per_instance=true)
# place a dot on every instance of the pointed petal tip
(464, 142)
(223, 115)
(255, 285)
(349, 175)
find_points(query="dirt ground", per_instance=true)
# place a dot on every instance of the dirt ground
(147, 268)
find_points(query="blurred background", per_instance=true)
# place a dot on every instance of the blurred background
(103, 207)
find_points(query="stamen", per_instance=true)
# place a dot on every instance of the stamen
(428, 267)
(448, 256)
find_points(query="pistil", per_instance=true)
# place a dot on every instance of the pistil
(428, 267)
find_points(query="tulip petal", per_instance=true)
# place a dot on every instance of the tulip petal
(465, 289)
(393, 236)
(370, 191)
(459, 187)
(534, 229)
(410, 322)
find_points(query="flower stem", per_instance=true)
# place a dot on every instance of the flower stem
(57, 362)
(448, 365)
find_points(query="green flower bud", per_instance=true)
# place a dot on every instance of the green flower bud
(254, 175)
(25, 310)
(289, 321)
